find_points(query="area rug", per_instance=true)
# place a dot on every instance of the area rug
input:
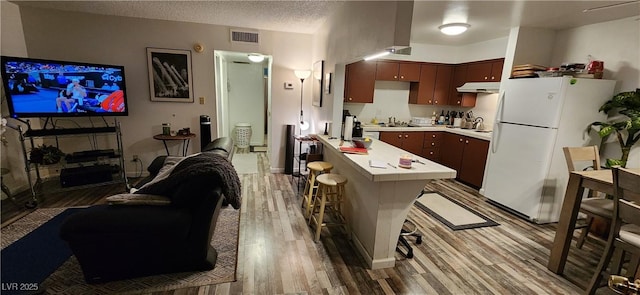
(245, 163)
(452, 213)
(68, 278)
(25, 264)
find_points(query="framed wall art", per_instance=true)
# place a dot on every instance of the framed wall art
(318, 82)
(170, 75)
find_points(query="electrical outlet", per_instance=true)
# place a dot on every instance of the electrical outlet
(135, 158)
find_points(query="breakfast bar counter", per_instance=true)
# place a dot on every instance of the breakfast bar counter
(378, 199)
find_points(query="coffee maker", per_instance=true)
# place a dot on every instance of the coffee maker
(357, 129)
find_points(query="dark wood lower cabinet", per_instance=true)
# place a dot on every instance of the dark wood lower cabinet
(474, 160)
(466, 155)
(408, 141)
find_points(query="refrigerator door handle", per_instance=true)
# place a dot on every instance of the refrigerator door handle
(494, 143)
(496, 126)
(500, 107)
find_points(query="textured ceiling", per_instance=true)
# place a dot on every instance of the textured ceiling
(287, 16)
(488, 19)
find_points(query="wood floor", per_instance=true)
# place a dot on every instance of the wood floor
(277, 254)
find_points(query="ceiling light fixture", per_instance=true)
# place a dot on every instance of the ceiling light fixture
(255, 57)
(377, 55)
(453, 29)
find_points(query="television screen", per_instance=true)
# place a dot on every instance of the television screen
(49, 88)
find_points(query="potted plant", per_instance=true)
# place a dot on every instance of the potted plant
(45, 154)
(625, 123)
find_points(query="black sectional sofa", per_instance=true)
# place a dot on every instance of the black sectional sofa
(113, 242)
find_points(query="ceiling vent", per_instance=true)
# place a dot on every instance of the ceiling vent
(245, 36)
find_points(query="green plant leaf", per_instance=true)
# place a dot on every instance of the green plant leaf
(606, 131)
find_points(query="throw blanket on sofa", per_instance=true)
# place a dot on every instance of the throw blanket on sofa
(218, 167)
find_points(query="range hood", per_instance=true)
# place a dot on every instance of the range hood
(480, 87)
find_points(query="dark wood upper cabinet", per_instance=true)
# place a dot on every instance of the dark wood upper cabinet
(459, 78)
(431, 84)
(387, 71)
(422, 92)
(496, 70)
(360, 82)
(398, 71)
(409, 71)
(485, 71)
(443, 84)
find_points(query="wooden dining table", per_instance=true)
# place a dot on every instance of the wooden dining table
(598, 180)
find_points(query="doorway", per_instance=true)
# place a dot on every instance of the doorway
(243, 95)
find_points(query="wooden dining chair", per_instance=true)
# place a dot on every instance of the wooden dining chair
(584, 158)
(625, 229)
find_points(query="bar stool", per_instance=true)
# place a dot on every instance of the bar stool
(315, 168)
(330, 197)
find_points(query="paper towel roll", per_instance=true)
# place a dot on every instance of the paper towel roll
(348, 127)
(457, 122)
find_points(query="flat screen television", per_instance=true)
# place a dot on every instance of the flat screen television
(50, 88)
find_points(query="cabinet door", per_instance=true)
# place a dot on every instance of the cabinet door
(409, 72)
(451, 151)
(392, 137)
(496, 70)
(360, 82)
(468, 99)
(412, 142)
(387, 71)
(474, 160)
(459, 77)
(479, 72)
(442, 85)
(422, 92)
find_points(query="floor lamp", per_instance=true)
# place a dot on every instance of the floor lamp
(302, 74)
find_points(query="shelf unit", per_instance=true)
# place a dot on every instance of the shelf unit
(314, 154)
(107, 166)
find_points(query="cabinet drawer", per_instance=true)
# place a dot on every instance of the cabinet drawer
(432, 139)
(432, 154)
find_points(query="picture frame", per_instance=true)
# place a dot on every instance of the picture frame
(327, 83)
(170, 75)
(318, 82)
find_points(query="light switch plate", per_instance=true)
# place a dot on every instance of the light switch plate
(288, 85)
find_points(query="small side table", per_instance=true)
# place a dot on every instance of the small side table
(185, 141)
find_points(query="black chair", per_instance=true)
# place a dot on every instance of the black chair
(409, 229)
(113, 242)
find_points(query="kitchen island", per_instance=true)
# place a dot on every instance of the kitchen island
(378, 199)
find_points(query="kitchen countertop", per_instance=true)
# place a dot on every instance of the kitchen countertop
(466, 132)
(386, 153)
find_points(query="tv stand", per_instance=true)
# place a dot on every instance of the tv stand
(81, 168)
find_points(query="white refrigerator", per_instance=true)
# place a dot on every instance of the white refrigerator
(526, 172)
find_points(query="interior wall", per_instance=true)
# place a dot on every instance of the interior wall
(616, 43)
(10, 150)
(53, 34)
(358, 29)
